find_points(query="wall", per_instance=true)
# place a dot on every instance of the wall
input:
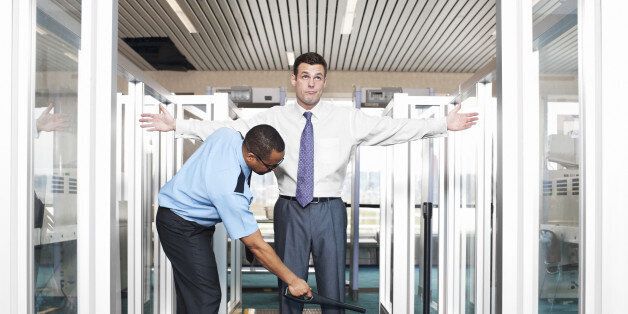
(339, 84)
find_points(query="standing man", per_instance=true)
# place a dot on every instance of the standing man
(309, 215)
(213, 186)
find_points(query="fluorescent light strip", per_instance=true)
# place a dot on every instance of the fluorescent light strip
(71, 56)
(347, 23)
(182, 16)
(40, 31)
(290, 56)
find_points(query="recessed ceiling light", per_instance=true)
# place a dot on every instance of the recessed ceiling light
(71, 56)
(347, 23)
(182, 16)
(290, 55)
(40, 30)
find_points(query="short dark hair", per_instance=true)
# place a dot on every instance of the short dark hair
(262, 139)
(311, 58)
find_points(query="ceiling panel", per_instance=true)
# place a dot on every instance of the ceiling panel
(387, 35)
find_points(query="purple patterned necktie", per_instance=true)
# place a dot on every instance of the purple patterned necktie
(305, 173)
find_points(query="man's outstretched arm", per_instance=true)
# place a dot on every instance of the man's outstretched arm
(371, 130)
(192, 128)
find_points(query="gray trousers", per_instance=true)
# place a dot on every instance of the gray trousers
(319, 228)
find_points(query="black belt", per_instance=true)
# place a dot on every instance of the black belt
(314, 200)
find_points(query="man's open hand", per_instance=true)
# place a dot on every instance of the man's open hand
(48, 122)
(161, 121)
(460, 121)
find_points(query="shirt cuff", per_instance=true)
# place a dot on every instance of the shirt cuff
(439, 127)
(183, 129)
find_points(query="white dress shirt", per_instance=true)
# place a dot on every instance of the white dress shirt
(337, 132)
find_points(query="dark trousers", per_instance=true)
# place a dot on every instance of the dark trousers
(189, 248)
(319, 228)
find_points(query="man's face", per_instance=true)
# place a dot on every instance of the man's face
(309, 83)
(263, 166)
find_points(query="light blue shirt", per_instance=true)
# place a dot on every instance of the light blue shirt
(213, 186)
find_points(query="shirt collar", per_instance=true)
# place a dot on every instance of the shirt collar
(238, 150)
(317, 111)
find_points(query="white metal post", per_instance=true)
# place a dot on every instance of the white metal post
(17, 77)
(96, 168)
(516, 243)
(484, 197)
(7, 88)
(133, 161)
(605, 158)
(590, 88)
(443, 225)
(449, 232)
(531, 179)
(401, 224)
(385, 229)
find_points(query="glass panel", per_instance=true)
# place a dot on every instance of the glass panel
(465, 172)
(371, 174)
(122, 202)
(57, 41)
(555, 22)
(150, 188)
(426, 178)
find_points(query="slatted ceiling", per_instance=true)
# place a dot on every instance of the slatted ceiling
(477, 60)
(239, 34)
(252, 29)
(477, 13)
(333, 32)
(428, 21)
(270, 37)
(51, 56)
(321, 24)
(195, 54)
(276, 22)
(466, 43)
(354, 47)
(72, 7)
(279, 11)
(452, 22)
(341, 43)
(371, 36)
(293, 27)
(300, 12)
(545, 8)
(226, 20)
(403, 23)
(415, 23)
(250, 33)
(357, 36)
(375, 26)
(392, 17)
(176, 31)
(207, 34)
(311, 24)
(210, 38)
(561, 55)
(133, 56)
(482, 58)
(387, 35)
(479, 42)
(449, 14)
(399, 21)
